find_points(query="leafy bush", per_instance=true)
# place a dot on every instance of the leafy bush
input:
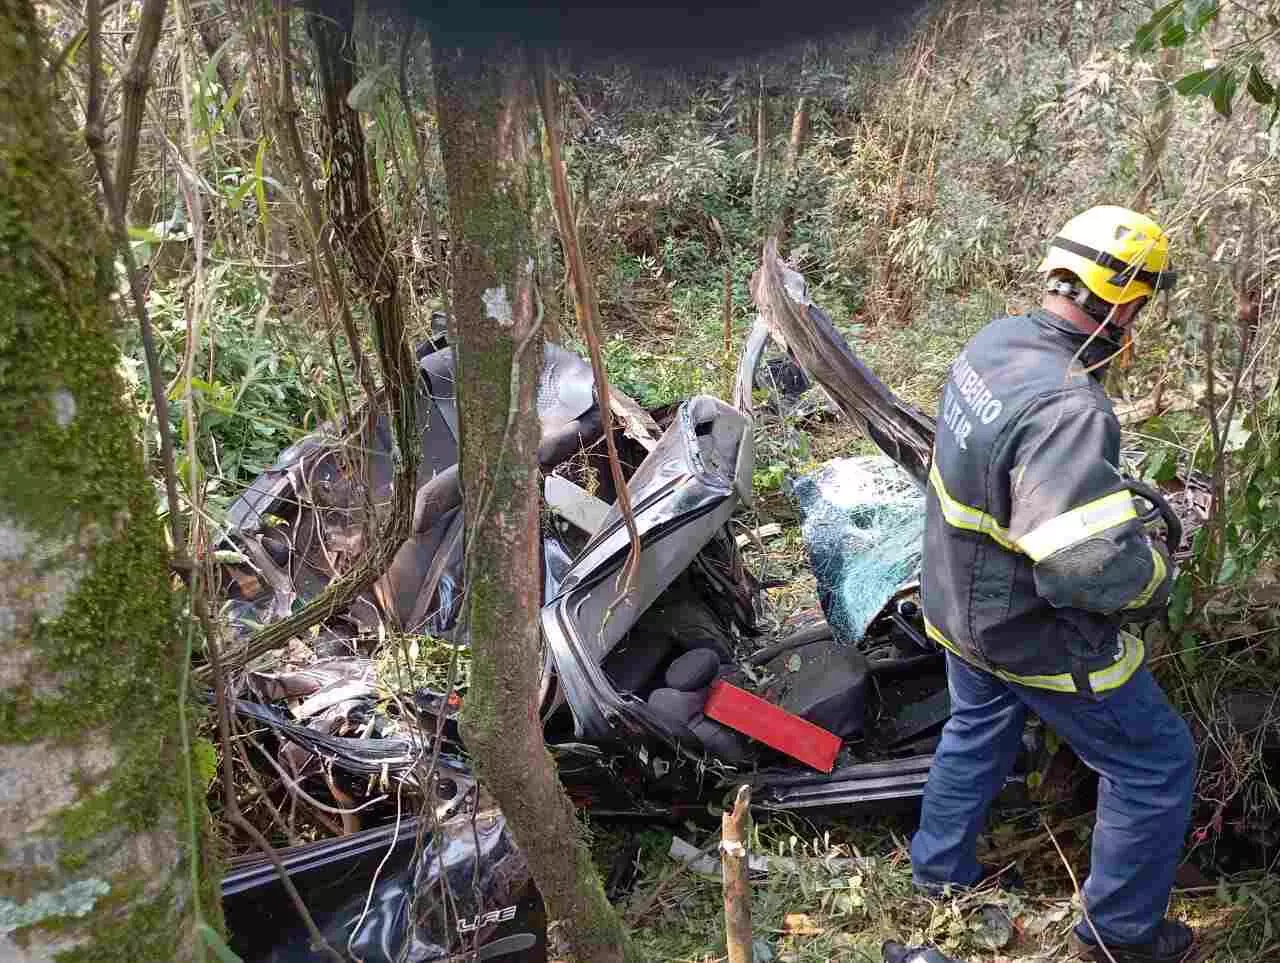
(256, 389)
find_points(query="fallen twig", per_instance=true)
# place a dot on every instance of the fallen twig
(1002, 856)
(1076, 887)
(1158, 403)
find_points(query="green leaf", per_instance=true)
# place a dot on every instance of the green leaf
(236, 198)
(1199, 83)
(1217, 83)
(1230, 569)
(1260, 89)
(211, 68)
(68, 53)
(1179, 601)
(1196, 13)
(205, 762)
(1224, 92)
(232, 101)
(144, 234)
(1189, 653)
(1145, 39)
(1175, 35)
(259, 185)
(1163, 466)
(216, 943)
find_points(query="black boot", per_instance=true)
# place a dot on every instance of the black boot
(1171, 943)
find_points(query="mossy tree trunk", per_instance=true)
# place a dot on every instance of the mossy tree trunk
(487, 137)
(93, 815)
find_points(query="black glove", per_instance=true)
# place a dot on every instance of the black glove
(1158, 604)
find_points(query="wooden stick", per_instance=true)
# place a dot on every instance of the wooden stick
(737, 891)
(134, 94)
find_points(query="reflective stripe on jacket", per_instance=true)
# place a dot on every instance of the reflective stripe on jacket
(1033, 547)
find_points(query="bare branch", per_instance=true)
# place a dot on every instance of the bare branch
(585, 305)
(93, 135)
(365, 238)
(133, 94)
(421, 176)
(313, 214)
(233, 813)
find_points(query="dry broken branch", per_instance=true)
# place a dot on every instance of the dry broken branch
(737, 890)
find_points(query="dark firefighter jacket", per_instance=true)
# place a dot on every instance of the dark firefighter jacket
(1034, 550)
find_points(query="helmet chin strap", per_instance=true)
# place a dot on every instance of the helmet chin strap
(1097, 309)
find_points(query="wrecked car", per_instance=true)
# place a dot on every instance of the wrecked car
(646, 696)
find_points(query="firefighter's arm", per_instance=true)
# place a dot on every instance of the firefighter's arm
(1073, 516)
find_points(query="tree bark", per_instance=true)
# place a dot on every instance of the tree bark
(486, 133)
(94, 829)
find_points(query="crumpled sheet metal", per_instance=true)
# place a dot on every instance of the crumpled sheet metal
(312, 489)
(469, 895)
(320, 685)
(466, 887)
(900, 430)
(863, 525)
(682, 494)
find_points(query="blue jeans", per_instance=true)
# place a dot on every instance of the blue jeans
(1135, 741)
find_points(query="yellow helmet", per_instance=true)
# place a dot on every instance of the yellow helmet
(1118, 254)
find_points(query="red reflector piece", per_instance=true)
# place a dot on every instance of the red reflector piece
(774, 726)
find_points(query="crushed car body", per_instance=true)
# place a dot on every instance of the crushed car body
(627, 669)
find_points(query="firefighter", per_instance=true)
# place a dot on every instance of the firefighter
(1034, 557)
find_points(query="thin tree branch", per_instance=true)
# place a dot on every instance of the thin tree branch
(585, 304)
(93, 135)
(365, 238)
(762, 145)
(313, 213)
(421, 176)
(233, 813)
(1076, 886)
(133, 95)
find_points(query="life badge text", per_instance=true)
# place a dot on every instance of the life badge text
(504, 915)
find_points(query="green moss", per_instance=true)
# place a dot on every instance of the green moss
(104, 665)
(140, 931)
